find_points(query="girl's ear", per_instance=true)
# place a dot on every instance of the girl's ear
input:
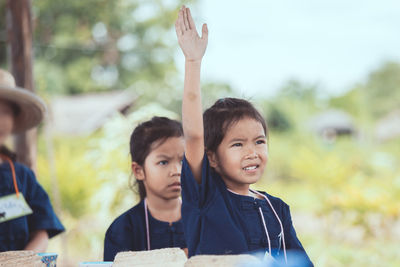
(212, 158)
(138, 171)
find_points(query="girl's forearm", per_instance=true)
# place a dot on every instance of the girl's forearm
(192, 114)
(38, 241)
(192, 118)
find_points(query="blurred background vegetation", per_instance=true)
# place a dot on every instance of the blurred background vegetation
(334, 159)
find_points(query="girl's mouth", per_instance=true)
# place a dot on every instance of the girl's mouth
(174, 184)
(251, 168)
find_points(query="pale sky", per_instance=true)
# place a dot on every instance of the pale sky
(256, 45)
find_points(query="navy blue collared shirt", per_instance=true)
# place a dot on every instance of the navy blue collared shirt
(14, 234)
(217, 221)
(128, 233)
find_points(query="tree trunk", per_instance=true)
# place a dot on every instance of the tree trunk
(19, 27)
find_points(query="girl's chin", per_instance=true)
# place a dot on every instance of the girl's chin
(172, 194)
(242, 181)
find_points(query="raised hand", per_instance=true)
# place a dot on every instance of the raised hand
(192, 45)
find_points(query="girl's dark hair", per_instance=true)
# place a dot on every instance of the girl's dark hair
(8, 153)
(219, 117)
(144, 135)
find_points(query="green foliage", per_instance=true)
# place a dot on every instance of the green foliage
(292, 106)
(54, 80)
(340, 176)
(104, 45)
(74, 174)
(375, 98)
(352, 102)
(211, 92)
(383, 89)
(297, 90)
(277, 120)
(346, 194)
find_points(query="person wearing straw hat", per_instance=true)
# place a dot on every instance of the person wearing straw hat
(27, 219)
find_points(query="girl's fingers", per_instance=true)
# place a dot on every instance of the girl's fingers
(178, 29)
(180, 21)
(204, 32)
(185, 19)
(190, 19)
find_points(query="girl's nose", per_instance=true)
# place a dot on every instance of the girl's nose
(251, 154)
(176, 170)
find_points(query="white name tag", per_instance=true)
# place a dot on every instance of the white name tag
(13, 206)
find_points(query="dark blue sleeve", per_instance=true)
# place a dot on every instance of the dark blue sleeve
(194, 194)
(119, 237)
(293, 244)
(43, 216)
(195, 199)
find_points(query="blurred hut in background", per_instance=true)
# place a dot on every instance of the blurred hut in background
(332, 124)
(85, 113)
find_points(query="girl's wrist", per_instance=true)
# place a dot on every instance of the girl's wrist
(192, 61)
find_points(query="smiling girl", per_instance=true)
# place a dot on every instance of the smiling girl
(225, 152)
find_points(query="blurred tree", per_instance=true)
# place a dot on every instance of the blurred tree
(75, 174)
(374, 98)
(292, 106)
(351, 101)
(277, 120)
(356, 104)
(96, 45)
(295, 89)
(212, 91)
(382, 89)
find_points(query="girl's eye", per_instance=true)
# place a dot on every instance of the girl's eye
(258, 142)
(163, 162)
(237, 145)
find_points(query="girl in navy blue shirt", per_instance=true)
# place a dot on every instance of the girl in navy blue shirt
(225, 152)
(21, 110)
(156, 148)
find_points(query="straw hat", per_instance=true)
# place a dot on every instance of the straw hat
(31, 108)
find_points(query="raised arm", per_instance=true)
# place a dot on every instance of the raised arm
(193, 47)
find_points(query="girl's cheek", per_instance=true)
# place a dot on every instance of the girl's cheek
(163, 171)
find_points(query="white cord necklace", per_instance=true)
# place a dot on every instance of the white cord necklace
(146, 215)
(264, 224)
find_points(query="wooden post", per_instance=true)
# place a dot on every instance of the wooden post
(19, 27)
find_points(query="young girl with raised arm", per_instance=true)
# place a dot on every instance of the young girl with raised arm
(225, 152)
